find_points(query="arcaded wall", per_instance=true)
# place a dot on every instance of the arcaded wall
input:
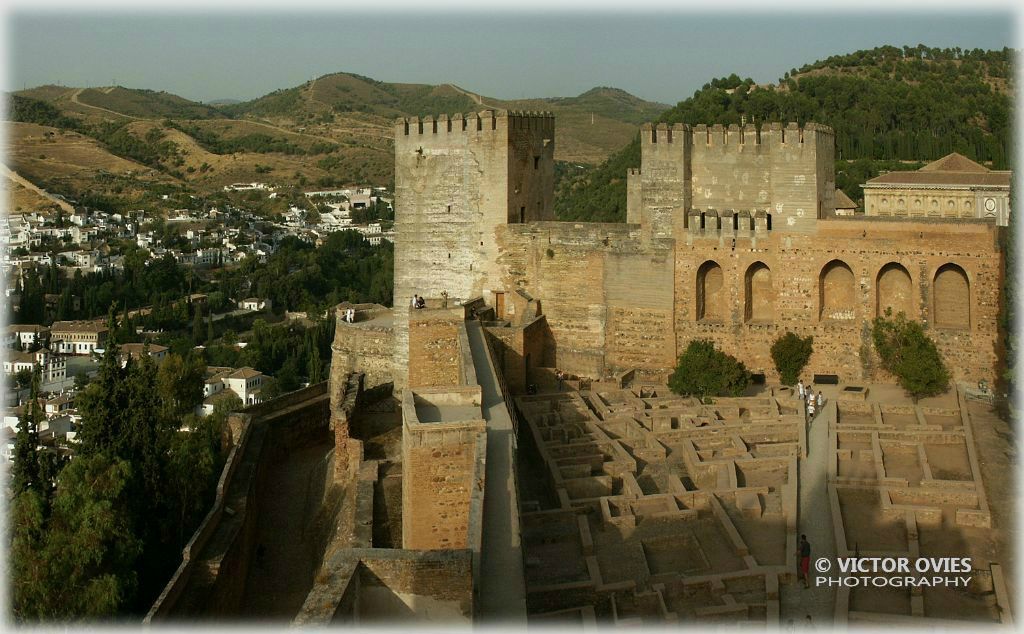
(612, 303)
(832, 282)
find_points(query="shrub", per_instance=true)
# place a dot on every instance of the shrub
(910, 355)
(791, 354)
(704, 371)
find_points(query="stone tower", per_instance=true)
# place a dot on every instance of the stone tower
(456, 181)
(786, 172)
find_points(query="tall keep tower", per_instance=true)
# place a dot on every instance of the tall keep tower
(457, 180)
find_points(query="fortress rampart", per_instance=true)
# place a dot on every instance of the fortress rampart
(730, 235)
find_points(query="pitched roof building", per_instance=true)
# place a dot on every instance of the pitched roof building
(951, 187)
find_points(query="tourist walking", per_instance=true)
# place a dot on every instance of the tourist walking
(800, 388)
(805, 561)
(810, 409)
(821, 400)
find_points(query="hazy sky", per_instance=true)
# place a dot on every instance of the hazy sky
(658, 55)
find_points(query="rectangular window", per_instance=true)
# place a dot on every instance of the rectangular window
(522, 214)
(536, 162)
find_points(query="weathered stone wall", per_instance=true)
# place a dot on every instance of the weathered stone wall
(389, 586)
(212, 577)
(456, 181)
(434, 351)
(442, 469)
(606, 298)
(440, 479)
(729, 238)
(367, 346)
(520, 351)
(842, 336)
(659, 194)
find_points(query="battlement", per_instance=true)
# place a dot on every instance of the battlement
(771, 133)
(476, 121)
(663, 133)
(711, 222)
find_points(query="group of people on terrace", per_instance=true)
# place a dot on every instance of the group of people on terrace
(813, 402)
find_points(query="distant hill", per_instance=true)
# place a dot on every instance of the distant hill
(890, 109)
(117, 102)
(334, 130)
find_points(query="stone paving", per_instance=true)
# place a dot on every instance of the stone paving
(815, 521)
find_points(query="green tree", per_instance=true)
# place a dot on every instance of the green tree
(705, 371)
(908, 353)
(25, 472)
(23, 377)
(80, 563)
(179, 384)
(791, 354)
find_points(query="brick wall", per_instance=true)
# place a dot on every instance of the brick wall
(606, 296)
(434, 353)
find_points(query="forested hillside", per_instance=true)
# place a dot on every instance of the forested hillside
(891, 108)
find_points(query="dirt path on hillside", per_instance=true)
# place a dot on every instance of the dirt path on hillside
(74, 100)
(21, 180)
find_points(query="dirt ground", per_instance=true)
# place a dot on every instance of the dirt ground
(996, 446)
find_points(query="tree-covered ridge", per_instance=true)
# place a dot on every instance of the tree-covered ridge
(885, 104)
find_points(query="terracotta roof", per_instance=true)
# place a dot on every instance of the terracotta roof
(135, 349)
(27, 328)
(244, 373)
(953, 169)
(954, 163)
(843, 201)
(78, 326)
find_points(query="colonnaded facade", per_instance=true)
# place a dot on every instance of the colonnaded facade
(730, 235)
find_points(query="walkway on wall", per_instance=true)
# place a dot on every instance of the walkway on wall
(502, 583)
(815, 521)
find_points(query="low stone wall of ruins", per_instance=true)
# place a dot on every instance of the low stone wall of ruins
(211, 578)
(386, 587)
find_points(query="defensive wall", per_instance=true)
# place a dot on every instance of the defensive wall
(434, 574)
(787, 170)
(730, 236)
(455, 181)
(211, 581)
(367, 347)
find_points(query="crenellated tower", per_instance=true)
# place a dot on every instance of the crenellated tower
(786, 174)
(457, 180)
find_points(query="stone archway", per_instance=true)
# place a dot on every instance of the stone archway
(951, 298)
(837, 298)
(894, 290)
(711, 303)
(759, 294)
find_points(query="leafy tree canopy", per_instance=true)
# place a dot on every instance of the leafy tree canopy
(908, 353)
(704, 371)
(791, 354)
